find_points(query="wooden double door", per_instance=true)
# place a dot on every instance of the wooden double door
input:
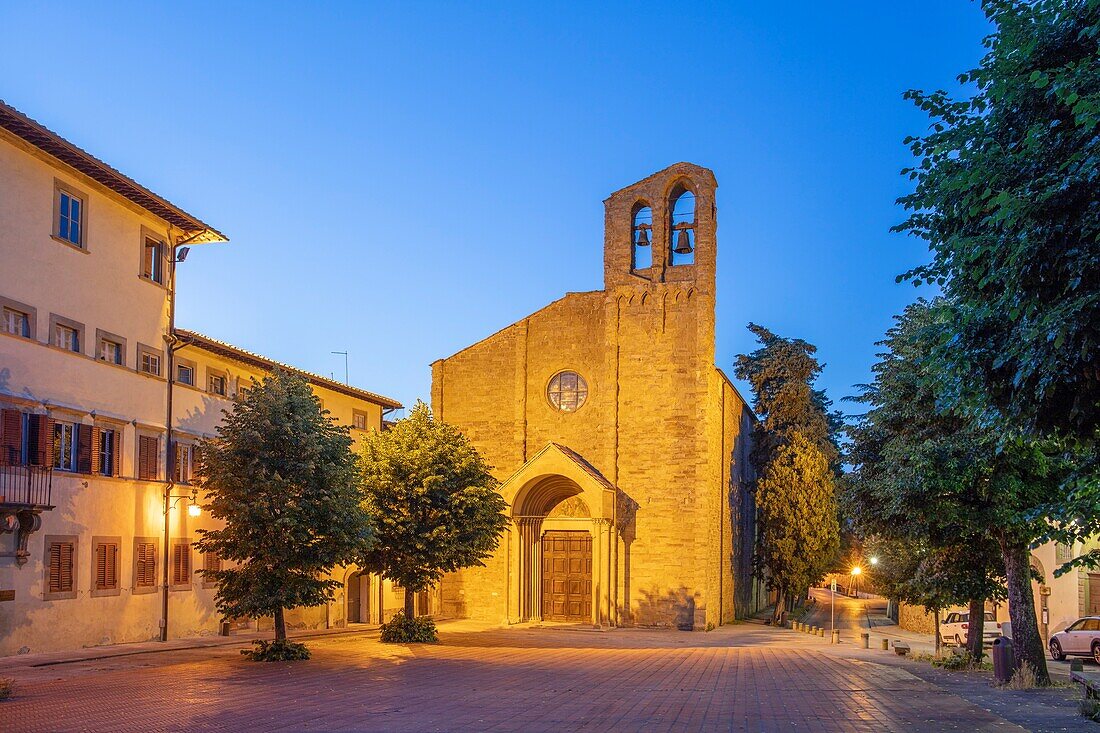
(567, 576)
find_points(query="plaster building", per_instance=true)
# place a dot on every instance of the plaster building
(86, 263)
(622, 449)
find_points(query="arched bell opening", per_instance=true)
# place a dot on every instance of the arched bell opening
(641, 237)
(681, 235)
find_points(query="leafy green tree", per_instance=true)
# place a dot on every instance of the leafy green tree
(796, 511)
(795, 460)
(924, 474)
(1006, 197)
(435, 505)
(283, 478)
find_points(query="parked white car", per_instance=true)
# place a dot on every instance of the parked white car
(1081, 638)
(955, 628)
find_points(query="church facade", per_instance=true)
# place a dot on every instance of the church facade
(621, 448)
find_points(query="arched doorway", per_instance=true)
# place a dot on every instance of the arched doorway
(562, 549)
(556, 536)
(1041, 593)
(357, 591)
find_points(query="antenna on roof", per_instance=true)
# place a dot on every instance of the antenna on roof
(345, 365)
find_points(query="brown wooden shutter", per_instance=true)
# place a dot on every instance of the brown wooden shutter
(147, 458)
(40, 440)
(116, 455)
(146, 565)
(11, 437)
(211, 562)
(101, 567)
(83, 435)
(96, 458)
(181, 565)
(61, 567)
(196, 461)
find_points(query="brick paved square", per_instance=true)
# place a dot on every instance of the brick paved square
(743, 678)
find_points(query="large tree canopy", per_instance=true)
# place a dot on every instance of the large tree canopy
(795, 459)
(1007, 198)
(435, 504)
(282, 477)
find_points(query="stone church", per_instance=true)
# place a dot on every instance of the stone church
(621, 448)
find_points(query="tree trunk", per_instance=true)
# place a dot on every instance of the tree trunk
(939, 638)
(280, 625)
(780, 607)
(1026, 642)
(975, 628)
(410, 604)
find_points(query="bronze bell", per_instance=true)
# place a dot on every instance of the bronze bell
(643, 237)
(683, 243)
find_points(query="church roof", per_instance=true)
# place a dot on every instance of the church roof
(584, 464)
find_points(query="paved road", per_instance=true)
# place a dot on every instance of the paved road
(741, 678)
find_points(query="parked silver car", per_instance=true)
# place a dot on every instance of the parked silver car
(1081, 638)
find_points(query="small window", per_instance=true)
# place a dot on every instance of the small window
(59, 570)
(182, 467)
(108, 452)
(217, 384)
(185, 374)
(65, 337)
(152, 263)
(70, 221)
(150, 363)
(359, 420)
(567, 391)
(106, 566)
(17, 322)
(110, 351)
(145, 566)
(181, 564)
(64, 446)
(148, 457)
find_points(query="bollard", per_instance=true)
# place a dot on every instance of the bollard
(821, 632)
(865, 640)
(885, 645)
(812, 630)
(836, 637)
(794, 625)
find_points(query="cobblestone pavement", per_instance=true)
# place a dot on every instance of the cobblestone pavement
(740, 678)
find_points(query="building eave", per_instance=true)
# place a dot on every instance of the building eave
(235, 353)
(39, 136)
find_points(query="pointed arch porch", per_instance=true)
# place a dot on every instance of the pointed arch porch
(558, 497)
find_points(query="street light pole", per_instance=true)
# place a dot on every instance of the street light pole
(177, 253)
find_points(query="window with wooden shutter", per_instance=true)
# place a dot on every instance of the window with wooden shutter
(211, 563)
(106, 566)
(147, 457)
(145, 565)
(11, 437)
(60, 580)
(181, 564)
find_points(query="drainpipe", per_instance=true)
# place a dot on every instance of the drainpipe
(169, 453)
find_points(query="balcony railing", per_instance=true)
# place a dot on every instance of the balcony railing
(22, 485)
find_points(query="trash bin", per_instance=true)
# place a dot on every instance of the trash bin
(865, 640)
(1004, 659)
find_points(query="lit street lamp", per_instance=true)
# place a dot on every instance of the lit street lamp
(856, 572)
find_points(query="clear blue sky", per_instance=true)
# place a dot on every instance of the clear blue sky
(402, 179)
